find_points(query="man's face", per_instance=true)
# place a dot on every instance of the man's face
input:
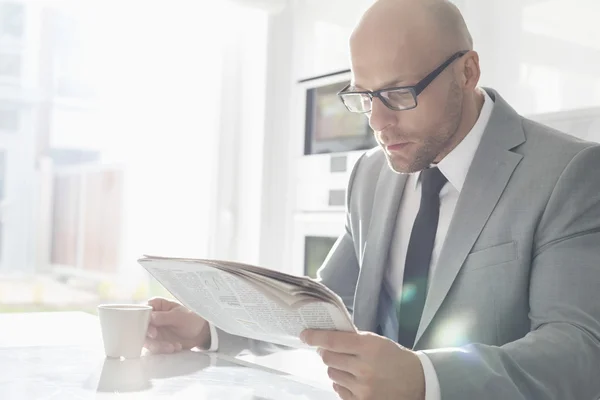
(411, 139)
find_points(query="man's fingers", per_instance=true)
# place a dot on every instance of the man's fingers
(164, 318)
(342, 362)
(160, 347)
(343, 392)
(341, 377)
(340, 342)
(152, 332)
(153, 346)
(162, 304)
(156, 303)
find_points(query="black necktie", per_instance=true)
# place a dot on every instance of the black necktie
(418, 257)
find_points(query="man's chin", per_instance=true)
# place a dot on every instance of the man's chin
(401, 166)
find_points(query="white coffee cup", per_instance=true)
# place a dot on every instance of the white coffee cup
(124, 328)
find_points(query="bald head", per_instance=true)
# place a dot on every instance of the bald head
(450, 24)
(423, 30)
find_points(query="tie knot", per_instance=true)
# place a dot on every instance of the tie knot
(432, 181)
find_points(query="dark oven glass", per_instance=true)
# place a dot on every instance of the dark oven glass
(316, 249)
(330, 127)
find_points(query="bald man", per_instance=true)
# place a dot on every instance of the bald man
(471, 255)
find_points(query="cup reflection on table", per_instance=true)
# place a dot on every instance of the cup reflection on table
(137, 374)
(123, 375)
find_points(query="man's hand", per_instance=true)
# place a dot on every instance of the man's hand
(367, 366)
(173, 328)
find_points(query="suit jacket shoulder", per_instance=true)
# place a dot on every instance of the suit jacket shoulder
(553, 148)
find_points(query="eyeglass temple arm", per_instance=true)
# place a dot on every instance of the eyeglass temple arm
(419, 87)
(344, 89)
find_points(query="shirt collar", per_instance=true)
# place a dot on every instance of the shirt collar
(457, 163)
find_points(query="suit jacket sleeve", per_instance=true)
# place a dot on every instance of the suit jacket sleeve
(560, 357)
(339, 272)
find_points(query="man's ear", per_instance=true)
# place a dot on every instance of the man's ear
(471, 72)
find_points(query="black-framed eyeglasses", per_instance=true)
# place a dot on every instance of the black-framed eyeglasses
(396, 98)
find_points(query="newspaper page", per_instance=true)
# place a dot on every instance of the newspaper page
(235, 305)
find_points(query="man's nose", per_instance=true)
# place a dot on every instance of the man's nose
(380, 117)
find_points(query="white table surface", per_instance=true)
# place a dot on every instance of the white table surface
(60, 356)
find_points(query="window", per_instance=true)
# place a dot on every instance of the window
(2, 178)
(10, 65)
(12, 19)
(10, 118)
(2, 197)
(120, 158)
(71, 45)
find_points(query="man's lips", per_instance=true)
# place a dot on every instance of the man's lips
(397, 146)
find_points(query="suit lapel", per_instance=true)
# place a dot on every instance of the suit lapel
(486, 180)
(386, 202)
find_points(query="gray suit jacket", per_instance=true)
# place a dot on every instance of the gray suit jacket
(513, 308)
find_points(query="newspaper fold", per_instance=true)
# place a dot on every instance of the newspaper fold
(251, 301)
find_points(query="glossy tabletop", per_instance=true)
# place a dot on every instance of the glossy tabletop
(60, 356)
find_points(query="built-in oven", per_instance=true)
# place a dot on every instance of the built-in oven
(334, 139)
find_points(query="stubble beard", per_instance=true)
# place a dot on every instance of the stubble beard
(438, 143)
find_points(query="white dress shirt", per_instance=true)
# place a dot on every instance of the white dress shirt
(454, 167)
(214, 339)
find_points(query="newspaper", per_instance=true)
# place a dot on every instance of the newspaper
(251, 301)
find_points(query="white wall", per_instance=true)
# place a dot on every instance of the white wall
(543, 56)
(236, 222)
(277, 162)
(321, 31)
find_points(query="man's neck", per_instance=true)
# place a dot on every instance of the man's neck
(472, 109)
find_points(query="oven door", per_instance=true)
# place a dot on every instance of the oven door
(314, 236)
